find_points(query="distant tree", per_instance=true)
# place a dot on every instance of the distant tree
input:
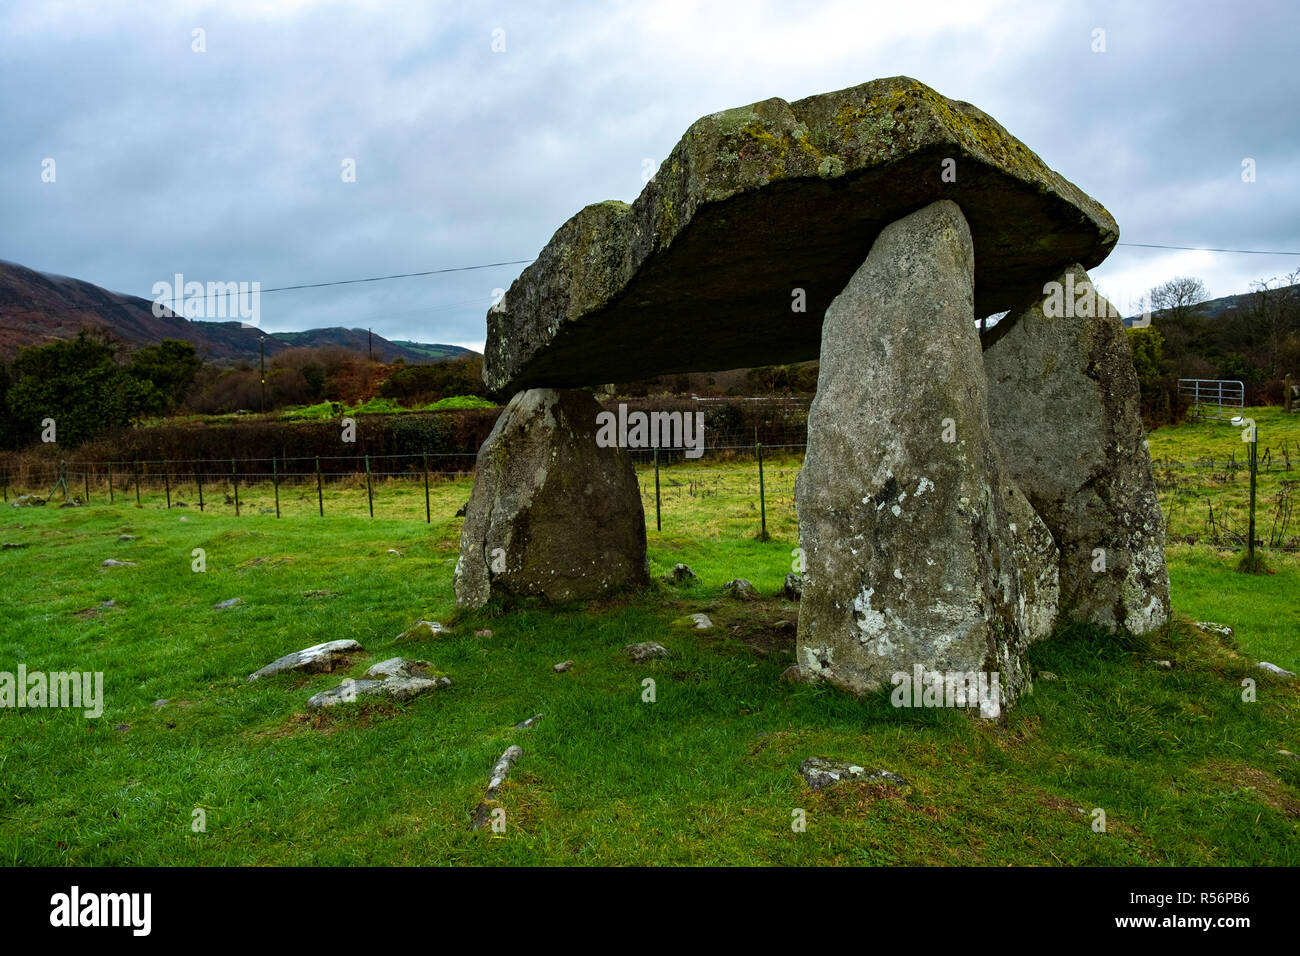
(1275, 312)
(1147, 346)
(78, 383)
(170, 366)
(1178, 296)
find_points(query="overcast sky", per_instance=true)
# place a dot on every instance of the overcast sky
(227, 165)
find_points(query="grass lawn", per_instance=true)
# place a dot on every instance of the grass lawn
(1185, 770)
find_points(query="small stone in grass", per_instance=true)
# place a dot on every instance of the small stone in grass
(483, 633)
(230, 602)
(563, 666)
(1274, 669)
(646, 651)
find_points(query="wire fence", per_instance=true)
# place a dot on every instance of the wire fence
(674, 483)
(1206, 500)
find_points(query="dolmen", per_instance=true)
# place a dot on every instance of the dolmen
(961, 495)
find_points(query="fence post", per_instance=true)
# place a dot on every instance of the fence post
(370, 498)
(275, 480)
(198, 480)
(1254, 467)
(110, 484)
(320, 498)
(137, 484)
(167, 484)
(86, 475)
(427, 517)
(762, 496)
(6, 485)
(234, 483)
(659, 525)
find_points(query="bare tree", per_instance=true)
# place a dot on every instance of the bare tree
(1275, 311)
(1178, 296)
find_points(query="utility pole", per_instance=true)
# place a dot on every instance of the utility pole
(262, 349)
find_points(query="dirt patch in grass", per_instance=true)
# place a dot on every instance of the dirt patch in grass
(1227, 773)
(326, 722)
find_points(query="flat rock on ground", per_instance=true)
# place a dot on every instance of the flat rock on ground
(397, 679)
(758, 201)
(317, 659)
(646, 651)
(822, 773)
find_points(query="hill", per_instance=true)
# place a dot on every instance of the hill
(37, 308)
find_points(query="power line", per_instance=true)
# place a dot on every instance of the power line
(404, 275)
(1253, 252)
(516, 262)
(401, 275)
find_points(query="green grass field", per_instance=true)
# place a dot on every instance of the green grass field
(1186, 771)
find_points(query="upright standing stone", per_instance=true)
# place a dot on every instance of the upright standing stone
(903, 514)
(1064, 408)
(552, 515)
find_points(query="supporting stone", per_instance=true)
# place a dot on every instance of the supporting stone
(552, 515)
(1064, 408)
(905, 521)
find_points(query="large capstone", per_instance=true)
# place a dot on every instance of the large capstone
(905, 520)
(1064, 408)
(553, 515)
(758, 218)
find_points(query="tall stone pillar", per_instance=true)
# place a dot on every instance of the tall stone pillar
(552, 516)
(1065, 411)
(917, 551)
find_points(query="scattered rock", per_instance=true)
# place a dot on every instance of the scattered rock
(122, 728)
(682, 574)
(483, 633)
(1164, 665)
(1045, 675)
(114, 563)
(500, 772)
(792, 675)
(395, 553)
(563, 666)
(1287, 753)
(27, 501)
(698, 622)
(1219, 630)
(319, 594)
(72, 503)
(1274, 669)
(123, 538)
(317, 659)
(646, 651)
(822, 773)
(553, 514)
(740, 589)
(422, 631)
(793, 589)
(160, 702)
(527, 724)
(228, 603)
(396, 678)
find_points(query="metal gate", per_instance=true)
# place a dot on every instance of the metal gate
(1212, 397)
